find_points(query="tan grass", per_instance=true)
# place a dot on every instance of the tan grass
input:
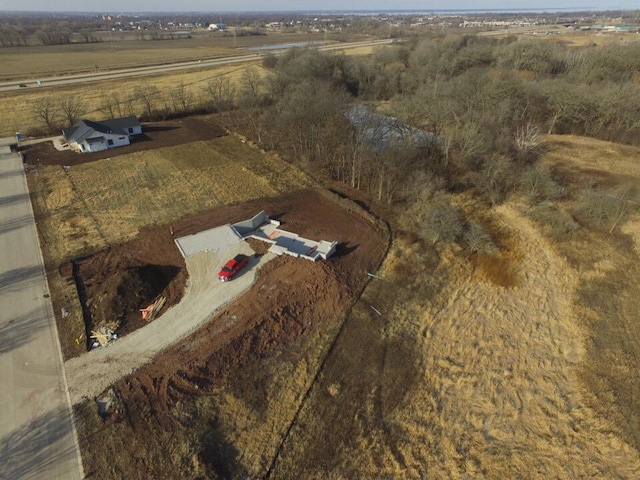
(507, 384)
(499, 396)
(17, 107)
(89, 206)
(590, 153)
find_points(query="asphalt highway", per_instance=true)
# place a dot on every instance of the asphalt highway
(84, 78)
(37, 433)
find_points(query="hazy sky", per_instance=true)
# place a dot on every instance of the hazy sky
(315, 5)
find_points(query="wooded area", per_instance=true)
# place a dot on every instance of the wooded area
(415, 120)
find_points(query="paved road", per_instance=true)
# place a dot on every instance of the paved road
(84, 78)
(37, 434)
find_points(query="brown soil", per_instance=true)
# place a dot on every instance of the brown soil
(115, 284)
(155, 135)
(292, 301)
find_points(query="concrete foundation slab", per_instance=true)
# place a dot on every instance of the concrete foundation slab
(260, 227)
(213, 240)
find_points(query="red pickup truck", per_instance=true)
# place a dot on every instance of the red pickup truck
(232, 267)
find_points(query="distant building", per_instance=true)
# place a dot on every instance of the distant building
(87, 136)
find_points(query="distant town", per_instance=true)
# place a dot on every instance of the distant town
(21, 29)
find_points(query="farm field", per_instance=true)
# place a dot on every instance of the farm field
(18, 107)
(19, 116)
(121, 50)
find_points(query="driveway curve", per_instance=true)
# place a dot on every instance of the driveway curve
(92, 373)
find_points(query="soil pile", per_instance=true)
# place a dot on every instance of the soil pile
(115, 284)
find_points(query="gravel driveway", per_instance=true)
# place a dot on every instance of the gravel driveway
(95, 371)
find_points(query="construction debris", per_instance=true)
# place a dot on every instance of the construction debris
(152, 310)
(103, 336)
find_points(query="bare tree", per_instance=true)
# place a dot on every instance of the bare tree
(72, 108)
(478, 240)
(111, 105)
(441, 222)
(221, 92)
(46, 110)
(148, 96)
(250, 87)
(539, 185)
(182, 98)
(527, 138)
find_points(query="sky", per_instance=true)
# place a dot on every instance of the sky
(110, 6)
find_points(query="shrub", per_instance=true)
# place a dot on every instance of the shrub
(441, 222)
(538, 184)
(478, 240)
(608, 209)
(556, 222)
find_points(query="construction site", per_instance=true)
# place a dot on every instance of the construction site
(198, 378)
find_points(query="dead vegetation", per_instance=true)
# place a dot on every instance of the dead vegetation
(512, 363)
(503, 344)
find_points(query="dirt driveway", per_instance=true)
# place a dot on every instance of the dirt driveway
(93, 372)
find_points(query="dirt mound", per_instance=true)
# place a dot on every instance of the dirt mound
(115, 284)
(123, 294)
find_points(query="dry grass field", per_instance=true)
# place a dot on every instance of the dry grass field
(122, 49)
(18, 112)
(88, 206)
(585, 39)
(463, 378)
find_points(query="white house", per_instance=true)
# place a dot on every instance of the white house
(87, 136)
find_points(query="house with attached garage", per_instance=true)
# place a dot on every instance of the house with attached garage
(87, 136)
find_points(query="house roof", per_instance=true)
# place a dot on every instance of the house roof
(121, 123)
(86, 128)
(382, 131)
